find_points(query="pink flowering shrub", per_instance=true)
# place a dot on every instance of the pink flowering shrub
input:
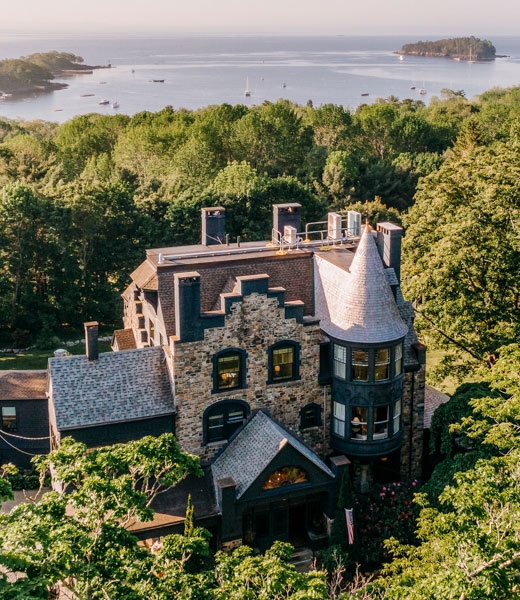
(388, 511)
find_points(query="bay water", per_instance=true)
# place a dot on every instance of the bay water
(200, 70)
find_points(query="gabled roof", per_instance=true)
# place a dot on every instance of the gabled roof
(23, 385)
(145, 276)
(118, 386)
(253, 448)
(125, 339)
(433, 398)
(358, 306)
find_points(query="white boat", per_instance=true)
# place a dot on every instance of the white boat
(247, 93)
(115, 104)
(412, 87)
(401, 57)
(104, 102)
(422, 91)
(471, 59)
(284, 85)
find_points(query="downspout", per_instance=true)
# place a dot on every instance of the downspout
(324, 417)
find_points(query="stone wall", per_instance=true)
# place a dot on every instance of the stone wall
(254, 324)
(413, 424)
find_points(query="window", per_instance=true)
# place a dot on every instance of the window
(380, 426)
(338, 420)
(152, 333)
(358, 423)
(397, 416)
(285, 476)
(398, 359)
(310, 416)
(222, 420)
(9, 418)
(359, 365)
(229, 371)
(283, 363)
(340, 361)
(382, 370)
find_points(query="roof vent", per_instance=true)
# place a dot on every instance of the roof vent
(60, 353)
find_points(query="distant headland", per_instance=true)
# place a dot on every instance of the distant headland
(35, 73)
(469, 49)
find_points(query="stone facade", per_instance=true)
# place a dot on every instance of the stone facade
(253, 325)
(412, 417)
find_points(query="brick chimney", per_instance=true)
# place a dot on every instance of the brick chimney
(213, 225)
(286, 215)
(91, 340)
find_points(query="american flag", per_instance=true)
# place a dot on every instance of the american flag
(349, 515)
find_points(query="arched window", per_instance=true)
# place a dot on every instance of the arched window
(284, 477)
(229, 370)
(222, 419)
(284, 361)
(310, 416)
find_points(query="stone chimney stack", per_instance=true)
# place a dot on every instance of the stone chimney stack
(389, 238)
(213, 225)
(91, 340)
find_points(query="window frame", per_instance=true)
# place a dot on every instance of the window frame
(375, 423)
(338, 361)
(241, 374)
(386, 363)
(336, 419)
(366, 423)
(229, 428)
(397, 416)
(317, 416)
(399, 359)
(295, 376)
(357, 364)
(10, 419)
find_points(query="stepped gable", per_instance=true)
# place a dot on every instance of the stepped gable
(252, 450)
(358, 305)
(119, 386)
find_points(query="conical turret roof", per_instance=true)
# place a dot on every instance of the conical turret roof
(359, 306)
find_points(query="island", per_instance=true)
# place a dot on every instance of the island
(36, 72)
(463, 48)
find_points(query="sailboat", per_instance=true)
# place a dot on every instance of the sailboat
(115, 104)
(471, 59)
(247, 93)
(422, 91)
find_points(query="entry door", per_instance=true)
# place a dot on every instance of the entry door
(270, 526)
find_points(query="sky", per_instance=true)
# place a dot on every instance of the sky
(363, 17)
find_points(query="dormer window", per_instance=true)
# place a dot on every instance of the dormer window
(359, 364)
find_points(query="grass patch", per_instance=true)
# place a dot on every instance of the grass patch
(447, 385)
(37, 359)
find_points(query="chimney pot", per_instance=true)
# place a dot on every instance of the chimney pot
(91, 340)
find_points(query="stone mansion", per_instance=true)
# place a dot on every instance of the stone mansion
(280, 364)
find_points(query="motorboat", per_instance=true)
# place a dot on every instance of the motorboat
(102, 102)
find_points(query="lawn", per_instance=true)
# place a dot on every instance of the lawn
(37, 359)
(448, 385)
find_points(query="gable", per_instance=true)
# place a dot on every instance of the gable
(288, 456)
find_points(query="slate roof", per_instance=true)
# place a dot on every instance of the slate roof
(358, 306)
(253, 448)
(125, 339)
(23, 385)
(119, 386)
(433, 398)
